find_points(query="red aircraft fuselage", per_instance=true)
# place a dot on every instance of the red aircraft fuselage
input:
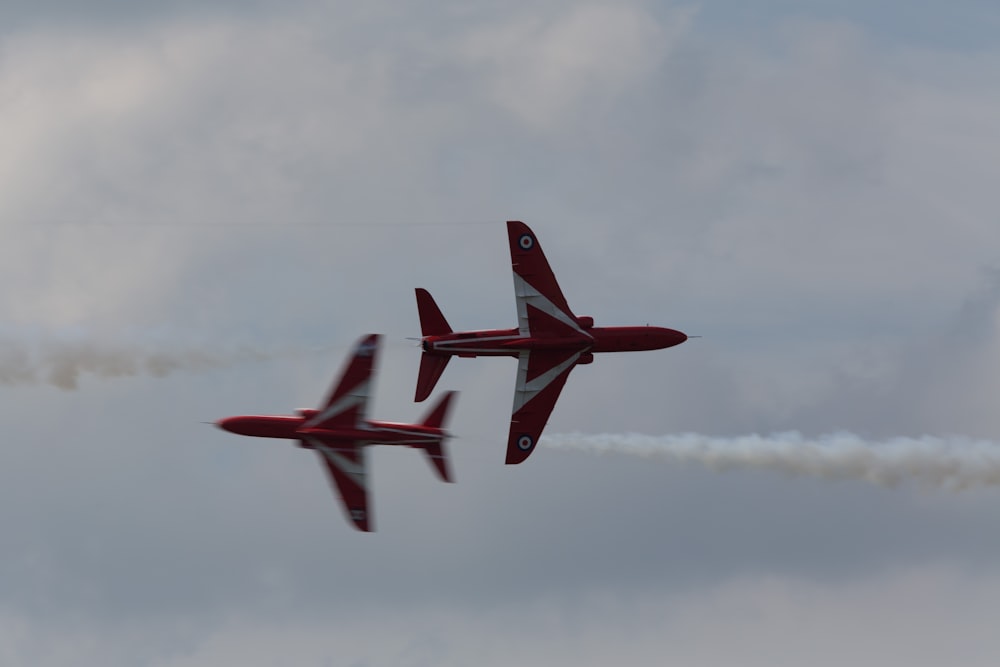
(508, 342)
(294, 428)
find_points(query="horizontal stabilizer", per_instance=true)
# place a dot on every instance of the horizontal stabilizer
(431, 367)
(439, 460)
(436, 452)
(439, 413)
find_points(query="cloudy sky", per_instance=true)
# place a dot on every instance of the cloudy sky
(204, 204)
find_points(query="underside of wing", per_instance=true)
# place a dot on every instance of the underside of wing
(347, 404)
(541, 307)
(346, 467)
(540, 379)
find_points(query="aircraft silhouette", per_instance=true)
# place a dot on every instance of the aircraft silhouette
(340, 432)
(548, 342)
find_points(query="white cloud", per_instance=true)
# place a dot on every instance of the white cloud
(545, 68)
(177, 124)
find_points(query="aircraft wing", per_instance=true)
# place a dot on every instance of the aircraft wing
(541, 375)
(347, 404)
(541, 306)
(346, 467)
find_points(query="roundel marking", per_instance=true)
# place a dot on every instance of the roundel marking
(526, 242)
(525, 442)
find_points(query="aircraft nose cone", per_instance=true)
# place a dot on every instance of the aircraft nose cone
(661, 337)
(675, 337)
(227, 424)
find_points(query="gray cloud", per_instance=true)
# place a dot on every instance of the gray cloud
(939, 382)
(912, 616)
(816, 209)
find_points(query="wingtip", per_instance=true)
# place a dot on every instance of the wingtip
(365, 526)
(516, 456)
(517, 226)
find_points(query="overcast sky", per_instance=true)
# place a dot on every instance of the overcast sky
(204, 204)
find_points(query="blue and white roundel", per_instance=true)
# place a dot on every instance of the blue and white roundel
(525, 442)
(526, 242)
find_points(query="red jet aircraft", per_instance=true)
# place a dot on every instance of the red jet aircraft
(548, 343)
(340, 433)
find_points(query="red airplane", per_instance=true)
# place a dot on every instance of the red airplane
(548, 343)
(340, 432)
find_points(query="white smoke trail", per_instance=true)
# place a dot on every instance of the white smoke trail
(63, 363)
(953, 462)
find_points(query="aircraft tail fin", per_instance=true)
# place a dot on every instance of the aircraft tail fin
(436, 453)
(432, 322)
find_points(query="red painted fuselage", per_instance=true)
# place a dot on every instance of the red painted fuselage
(508, 342)
(295, 428)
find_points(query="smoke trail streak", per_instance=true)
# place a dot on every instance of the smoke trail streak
(952, 463)
(62, 364)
